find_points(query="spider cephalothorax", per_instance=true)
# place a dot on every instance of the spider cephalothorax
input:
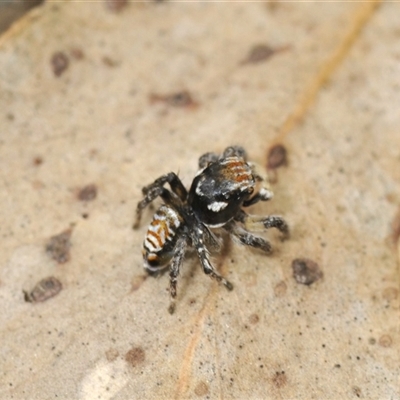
(222, 187)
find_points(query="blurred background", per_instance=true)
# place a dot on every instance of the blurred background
(11, 10)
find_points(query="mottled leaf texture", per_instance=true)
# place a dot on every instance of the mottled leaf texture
(116, 99)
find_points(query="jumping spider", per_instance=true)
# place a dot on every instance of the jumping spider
(222, 187)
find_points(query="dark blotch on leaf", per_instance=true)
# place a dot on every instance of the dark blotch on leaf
(109, 62)
(277, 156)
(88, 193)
(37, 161)
(116, 5)
(279, 379)
(201, 389)
(261, 52)
(135, 356)
(396, 228)
(306, 271)
(59, 245)
(77, 53)
(254, 319)
(44, 290)
(179, 99)
(357, 391)
(59, 63)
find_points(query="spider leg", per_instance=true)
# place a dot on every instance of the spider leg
(264, 192)
(212, 241)
(173, 180)
(235, 151)
(247, 238)
(256, 222)
(263, 195)
(204, 259)
(156, 189)
(206, 159)
(174, 270)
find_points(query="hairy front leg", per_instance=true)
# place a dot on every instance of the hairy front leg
(156, 189)
(235, 151)
(202, 252)
(247, 238)
(206, 159)
(174, 271)
(256, 222)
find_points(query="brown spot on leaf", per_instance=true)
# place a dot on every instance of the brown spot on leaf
(172, 307)
(390, 293)
(372, 340)
(135, 356)
(38, 185)
(37, 161)
(59, 245)
(391, 198)
(59, 63)
(385, 341)
(109, 62)
(88, 193)
(280, 289)
(116, 5)
(112, 354)
(201, 389)
(396, 228)
(180, 99)
(279, 379)
(357, 391)
(44, 290)
(254, 319)
(77, 53)
(192, 301)
(93, 153)
(273, 5)
(262, 52)
(137, 282)
(277, 156)
(306, 271)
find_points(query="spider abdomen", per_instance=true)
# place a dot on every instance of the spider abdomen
(160, 239)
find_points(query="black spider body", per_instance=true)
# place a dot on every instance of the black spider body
(222, 187)
(219, 190)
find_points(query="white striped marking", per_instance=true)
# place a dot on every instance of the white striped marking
(161, 227)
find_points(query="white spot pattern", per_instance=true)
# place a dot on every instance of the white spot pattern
(217, 206)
